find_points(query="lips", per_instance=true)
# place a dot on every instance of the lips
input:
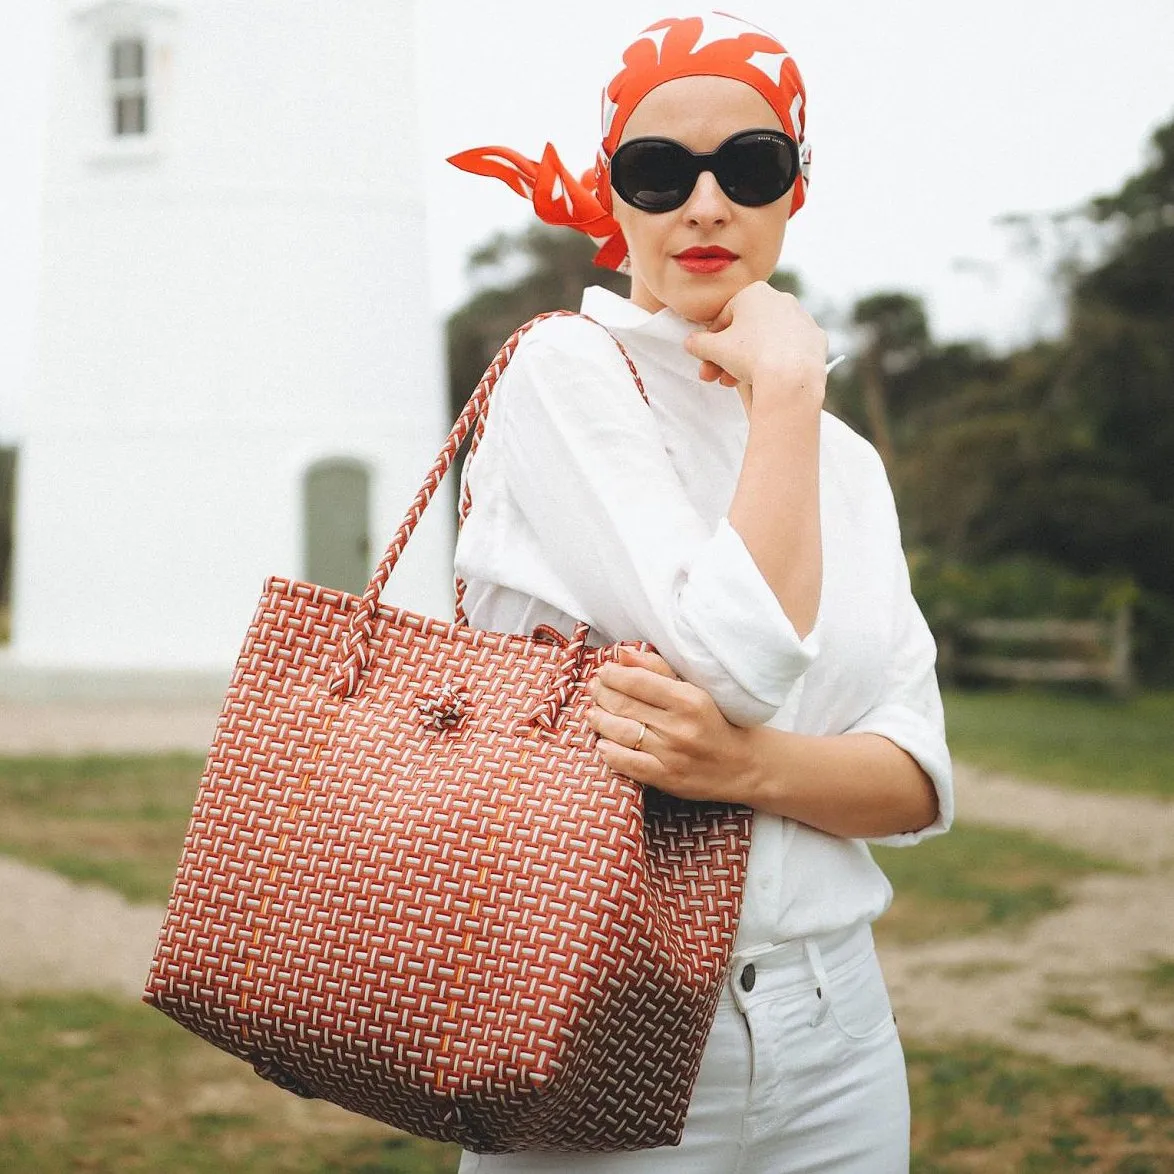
(706, 253)
(705, 259)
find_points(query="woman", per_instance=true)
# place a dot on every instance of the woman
(752, 538)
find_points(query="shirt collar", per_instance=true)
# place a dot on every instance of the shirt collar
(660, 336)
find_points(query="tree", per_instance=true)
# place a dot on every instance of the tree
(7, 530)
(1118, 378)
(895, 337)
(520, 275)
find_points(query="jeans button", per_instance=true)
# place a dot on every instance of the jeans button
(748, 976)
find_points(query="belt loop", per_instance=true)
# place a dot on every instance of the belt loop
(823, 990)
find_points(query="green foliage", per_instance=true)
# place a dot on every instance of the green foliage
(1145, 202)
(7, 530)
(519, 275)
(1019, 587)
(1058, 455)
(786, 281)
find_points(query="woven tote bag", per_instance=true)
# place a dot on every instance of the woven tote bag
(411, 887)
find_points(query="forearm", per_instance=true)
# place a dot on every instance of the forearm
(851, 785)
(775, 508)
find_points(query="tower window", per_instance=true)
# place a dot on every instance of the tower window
(128, 86)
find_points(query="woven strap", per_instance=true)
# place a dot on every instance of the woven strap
(355, 648)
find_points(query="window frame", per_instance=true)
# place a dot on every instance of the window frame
(129, 87)
(101, 25)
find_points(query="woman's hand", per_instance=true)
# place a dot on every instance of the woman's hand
(762, 335)
(688, 748)
(851, 785)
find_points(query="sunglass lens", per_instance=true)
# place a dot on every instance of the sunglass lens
(757, 169)
(652, 175)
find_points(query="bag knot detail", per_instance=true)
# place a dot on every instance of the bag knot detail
(443, 706)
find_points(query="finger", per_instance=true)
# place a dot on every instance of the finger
(624, 731)
(642, 684)
(724, 318)
(702, 345)
(728, 380)
(652, 661)
(637, 765)
(716, 352)
(628, 708)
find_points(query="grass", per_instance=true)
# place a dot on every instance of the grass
(96, 1085)
(103, 1086)
(1129, 1023)
(116, 821)
(976, 879)
(1158, 978)
(1070, 738)
(119, 821)
(979, 1108)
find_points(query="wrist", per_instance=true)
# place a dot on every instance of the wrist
(758, 780)
(791, 386)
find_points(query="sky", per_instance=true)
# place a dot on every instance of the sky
(929, 120)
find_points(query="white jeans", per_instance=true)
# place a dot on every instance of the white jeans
(803, 1072)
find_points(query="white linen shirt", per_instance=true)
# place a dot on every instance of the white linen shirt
(588, 503)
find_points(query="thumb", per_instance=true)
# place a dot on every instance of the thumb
(723, 319)
(701, 345)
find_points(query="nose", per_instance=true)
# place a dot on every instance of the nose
(707, 203)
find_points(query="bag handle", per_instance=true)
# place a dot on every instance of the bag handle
(355, 648)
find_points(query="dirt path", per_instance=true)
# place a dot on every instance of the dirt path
(80, 727)
(1007, 987)
(56, 935)
(1133, 829)
(1069, 986)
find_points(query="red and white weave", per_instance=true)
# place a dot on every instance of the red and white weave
(411, 887)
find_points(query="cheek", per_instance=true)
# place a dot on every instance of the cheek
(769, 238)
(646, 240)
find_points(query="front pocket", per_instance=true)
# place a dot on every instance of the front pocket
(860, 1000)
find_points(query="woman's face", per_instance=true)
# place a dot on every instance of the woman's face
(700, 112)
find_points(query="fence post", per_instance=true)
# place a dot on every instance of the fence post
(1121, 658)
(944, 634)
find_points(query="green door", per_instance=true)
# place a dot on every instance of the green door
(337, 507)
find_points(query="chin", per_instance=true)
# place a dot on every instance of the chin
(700, 305)
(702, 302)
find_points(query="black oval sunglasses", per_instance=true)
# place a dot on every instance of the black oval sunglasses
(753, 168)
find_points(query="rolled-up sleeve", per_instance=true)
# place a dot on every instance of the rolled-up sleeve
(909, 712)
(586, 466)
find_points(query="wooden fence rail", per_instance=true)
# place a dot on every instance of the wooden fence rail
(1045, 650)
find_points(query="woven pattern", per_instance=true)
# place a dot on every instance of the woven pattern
(411, 887)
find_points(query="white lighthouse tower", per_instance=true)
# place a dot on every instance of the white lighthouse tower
(238, 371)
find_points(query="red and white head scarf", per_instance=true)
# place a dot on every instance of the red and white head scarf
(712, 45)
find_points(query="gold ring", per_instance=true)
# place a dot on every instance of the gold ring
(640, 736)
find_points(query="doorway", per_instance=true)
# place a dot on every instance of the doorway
(336, 512)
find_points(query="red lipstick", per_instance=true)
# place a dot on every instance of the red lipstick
(705, 259)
